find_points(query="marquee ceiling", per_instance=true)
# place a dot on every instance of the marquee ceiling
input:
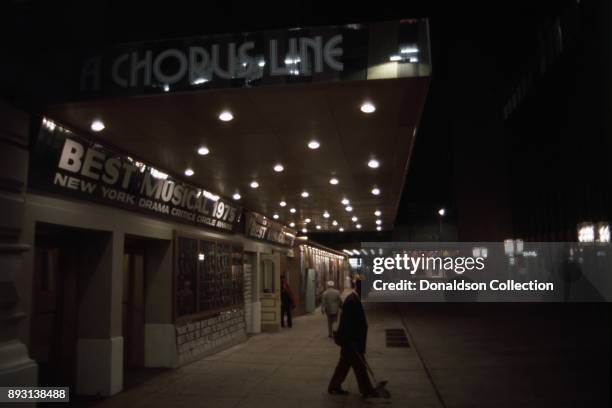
(274, 125)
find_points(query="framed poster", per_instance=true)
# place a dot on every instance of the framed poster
(208, 276)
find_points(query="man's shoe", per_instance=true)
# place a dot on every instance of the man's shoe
(338, 391)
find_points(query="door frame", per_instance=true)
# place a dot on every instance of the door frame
(135, 354)
(270, 302)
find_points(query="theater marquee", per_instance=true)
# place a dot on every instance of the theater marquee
(260, 227)
(63, 163)
(391, 49)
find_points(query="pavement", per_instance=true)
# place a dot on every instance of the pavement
(288, 369)
(461, 356)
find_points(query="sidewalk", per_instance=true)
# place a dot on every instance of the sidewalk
(289, 369)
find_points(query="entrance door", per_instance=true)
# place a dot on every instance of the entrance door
(61, 259)
(133, 307)
(269, 268)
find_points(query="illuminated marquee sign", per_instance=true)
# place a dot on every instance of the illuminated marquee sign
(259, 227)
(198, 65)
(66, 164)
(298, 55)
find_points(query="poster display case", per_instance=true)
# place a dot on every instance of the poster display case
(326, 265)
(208, 277)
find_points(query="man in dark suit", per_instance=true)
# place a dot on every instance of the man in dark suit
(351, 337)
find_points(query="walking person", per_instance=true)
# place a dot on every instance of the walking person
(351, 337)
(287, 302)
(331, 303)
(357, 282)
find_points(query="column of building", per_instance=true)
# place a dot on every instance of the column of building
(16, 367)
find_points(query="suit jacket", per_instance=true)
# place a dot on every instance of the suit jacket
(353, 327)
(331, 302)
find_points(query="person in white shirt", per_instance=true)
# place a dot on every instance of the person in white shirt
(331, 303)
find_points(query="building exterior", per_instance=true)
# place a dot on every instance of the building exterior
(127, 288)
(120, 258)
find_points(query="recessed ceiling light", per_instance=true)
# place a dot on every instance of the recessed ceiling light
(189, 172)
(376, 191)
(358, 226)
(292, 224)
(373, 164)
(275, 216)
(377, 213)
(378, 222)
(236, 196)
(261, 64)
(254, 184)
(349, 208)
(354, 219)
(282, 204)
(292, 211)
(307, 220)
(326, 214)
(333, 181)
(313, 145)
(318, 227)
(97, 126)
(305, 194)
(345, 201)
(226, 116)
(203, 151)
(368, 107)
(304, 230)
(341, 229)
(278, 168)
(335, 223)
(379, 228)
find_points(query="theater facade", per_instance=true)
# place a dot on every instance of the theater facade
(158, 203)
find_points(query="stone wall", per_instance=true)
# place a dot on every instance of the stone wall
(200, 338)
(16, 367)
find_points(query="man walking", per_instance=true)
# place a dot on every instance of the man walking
(287, 302)
(331, 302)
(351, 337)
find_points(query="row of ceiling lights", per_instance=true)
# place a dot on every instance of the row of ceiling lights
(327, 215)
(366, 107)
(226, 116)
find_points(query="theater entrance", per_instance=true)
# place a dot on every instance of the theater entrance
(143, 280)
(63, 261)
(133, 318)
(269, 295)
